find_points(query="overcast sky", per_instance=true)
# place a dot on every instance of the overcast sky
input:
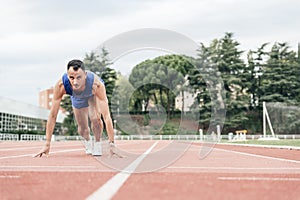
(38, 38)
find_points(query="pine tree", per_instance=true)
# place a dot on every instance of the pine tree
(203, 80)
(280, 79)
(223, 56)
(100, 65)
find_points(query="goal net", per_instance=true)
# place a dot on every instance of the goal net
(280, 118)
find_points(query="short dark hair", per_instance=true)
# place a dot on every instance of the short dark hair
(76, 64)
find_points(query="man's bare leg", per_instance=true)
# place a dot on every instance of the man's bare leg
(96, 125)
(81, 116)
(96, 122)
(102, 107)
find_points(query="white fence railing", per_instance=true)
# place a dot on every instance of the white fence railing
(8, 136)
(30, 137)
(27, 137)
(157, 137)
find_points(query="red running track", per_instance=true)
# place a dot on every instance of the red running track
(227, 172)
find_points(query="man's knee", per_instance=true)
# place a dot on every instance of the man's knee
(96, 122)
(107, 118)
(83, 130)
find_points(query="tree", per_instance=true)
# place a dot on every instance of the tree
(280, 83)
(298, 61)
(160, 80)
(183, 65)
(256, 61)
(270, 75)
(207, 84)
(100, 65)
(233, 73)
(280, 78)
(123, 93)
(222, 56)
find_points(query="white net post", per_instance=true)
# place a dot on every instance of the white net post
(266, 119)
(201, 134)
(219, 132)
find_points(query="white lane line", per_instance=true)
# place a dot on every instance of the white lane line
(30, 155)
(18, 156)
(263, 146)
(9, 176)
(48, 166)
(259, 156)
(235, 168)
(55, 169)
(68, 168)
(110, 188)
(257, 179)
(22, 148)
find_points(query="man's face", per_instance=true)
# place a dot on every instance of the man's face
(77, 79)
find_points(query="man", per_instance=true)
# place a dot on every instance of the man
(89, 101)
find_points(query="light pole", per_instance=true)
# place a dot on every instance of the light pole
(258, 73)
(118, 107)
(115, 127)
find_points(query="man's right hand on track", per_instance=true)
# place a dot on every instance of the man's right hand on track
(112, 150)
(45, 150)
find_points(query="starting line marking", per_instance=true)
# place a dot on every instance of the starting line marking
(16, 149)
(49, 166)
(35, 147)
(9, 176)
(30, 155)
(257, 179)
(110, 188)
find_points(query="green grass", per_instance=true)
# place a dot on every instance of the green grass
(281, 142)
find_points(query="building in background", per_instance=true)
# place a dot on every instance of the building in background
(17, 116)
(45, 99)
(184, 103)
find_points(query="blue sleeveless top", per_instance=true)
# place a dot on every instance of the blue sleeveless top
(80, 100)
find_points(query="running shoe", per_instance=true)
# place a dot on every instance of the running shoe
(88, 146)
(97, 149)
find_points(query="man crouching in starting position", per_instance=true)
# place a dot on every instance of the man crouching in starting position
(89, 101)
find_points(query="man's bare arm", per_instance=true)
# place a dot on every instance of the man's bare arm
(58, 93)
(103, 108)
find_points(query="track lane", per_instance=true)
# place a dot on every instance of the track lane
(223, 174)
